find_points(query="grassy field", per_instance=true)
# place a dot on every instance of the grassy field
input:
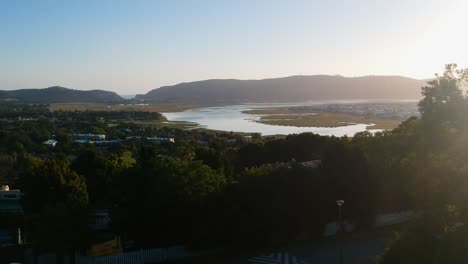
(171, 124)
(160, 108)
(312, 118)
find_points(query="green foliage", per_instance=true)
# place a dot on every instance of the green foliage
(414, 246)
(97, 170)
(56, 202)
(279, 202)
(59, 228)
(437, 236)
(51, 181)
(124, 161)
(443, 99)
(215, 188)
(160, 198)
(434, 163)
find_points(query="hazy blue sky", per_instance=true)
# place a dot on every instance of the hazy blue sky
(134, 46)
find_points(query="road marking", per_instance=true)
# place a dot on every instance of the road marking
(270, 259)
(277, 258)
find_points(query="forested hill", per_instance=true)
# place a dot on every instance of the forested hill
(59, 94)
(288, 89)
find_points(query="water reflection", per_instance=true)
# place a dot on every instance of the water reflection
(231, 118)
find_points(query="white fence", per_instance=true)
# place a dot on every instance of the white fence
(138, 257)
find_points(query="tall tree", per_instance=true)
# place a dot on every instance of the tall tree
(56, 202)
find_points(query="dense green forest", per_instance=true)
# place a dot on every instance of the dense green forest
(217, 189)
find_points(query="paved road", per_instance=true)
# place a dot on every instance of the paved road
(277, 258)
(354, 252)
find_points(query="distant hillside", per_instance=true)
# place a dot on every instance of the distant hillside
(288, 89)
(59, 94)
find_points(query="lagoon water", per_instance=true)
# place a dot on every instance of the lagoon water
(232, 118)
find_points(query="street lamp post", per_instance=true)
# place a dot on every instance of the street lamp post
(340, 227)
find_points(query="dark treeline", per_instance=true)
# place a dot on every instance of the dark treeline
(14, 111)
(223, 189)
(206, 189)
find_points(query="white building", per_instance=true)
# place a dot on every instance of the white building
(10, 201)
(172, 140)
(51, 143)
(7, 194)
(88, 138)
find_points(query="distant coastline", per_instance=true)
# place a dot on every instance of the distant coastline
(127, 96)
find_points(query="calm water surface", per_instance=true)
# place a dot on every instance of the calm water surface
(231, 118)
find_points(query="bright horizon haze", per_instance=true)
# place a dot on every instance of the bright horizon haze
(132, 47)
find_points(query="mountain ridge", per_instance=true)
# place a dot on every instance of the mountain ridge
(287, 89)
(59, 94)
(294, 88)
